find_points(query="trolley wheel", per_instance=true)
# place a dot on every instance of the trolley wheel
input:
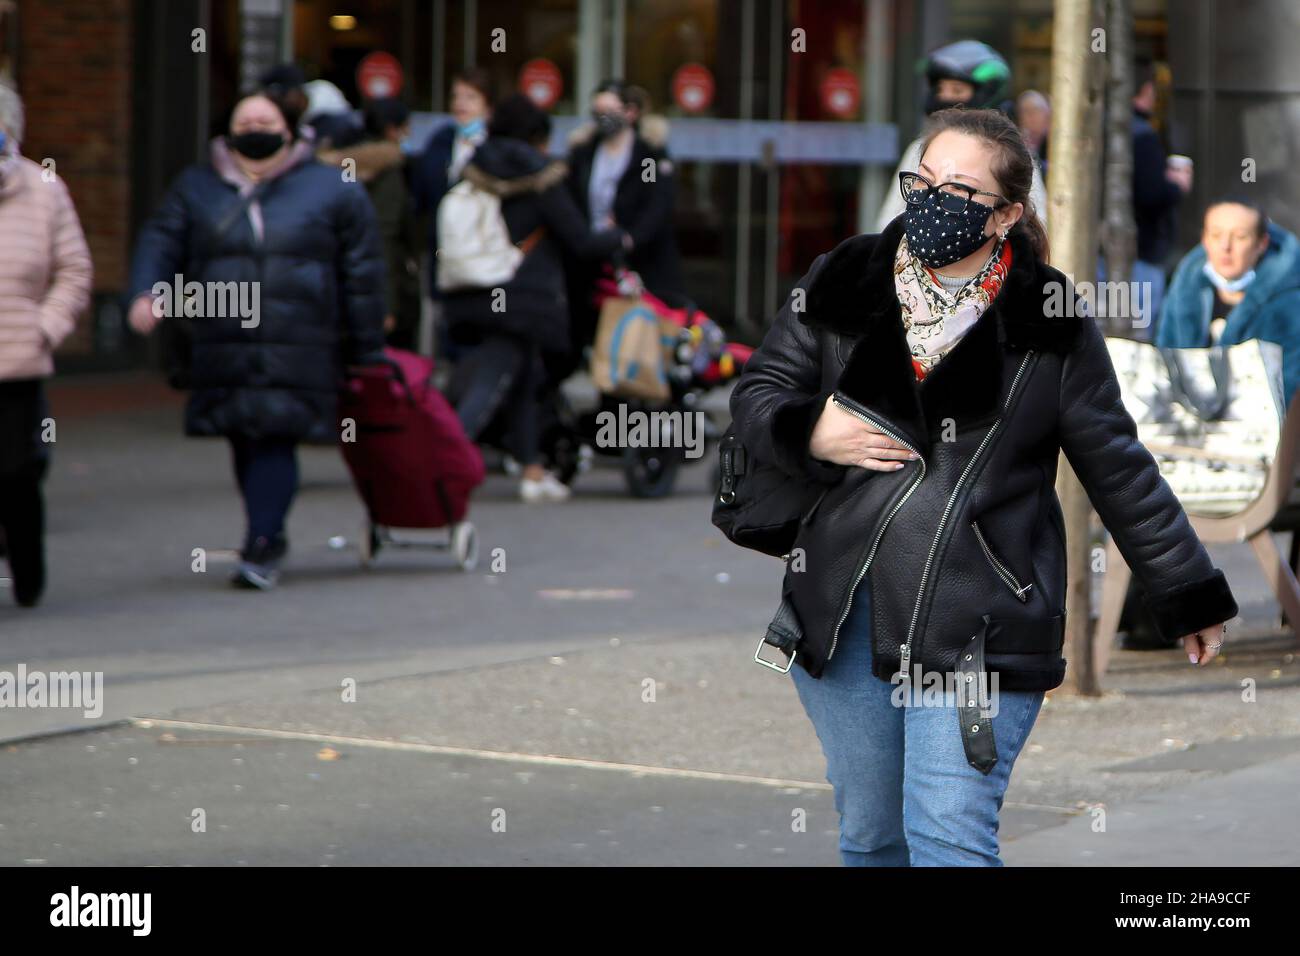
(464, 545)
(369, 544)
(651, 472)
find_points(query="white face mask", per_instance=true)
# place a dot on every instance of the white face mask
(1228, 285)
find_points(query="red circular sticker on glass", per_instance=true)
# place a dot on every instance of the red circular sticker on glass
(541, 82)
(379, 76)
(841, 93)
(693, 87)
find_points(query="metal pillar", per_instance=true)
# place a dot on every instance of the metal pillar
(745, 174)
(591, 46)
(877, 76)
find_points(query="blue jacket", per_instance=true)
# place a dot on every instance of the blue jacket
(1270, 311)
(428, 170)
(427, 174)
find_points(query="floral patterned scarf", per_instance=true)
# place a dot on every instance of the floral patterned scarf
(934, 319)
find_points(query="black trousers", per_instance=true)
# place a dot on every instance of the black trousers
(24, 461)
(499, 378)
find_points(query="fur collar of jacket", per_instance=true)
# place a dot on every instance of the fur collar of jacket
(540, 181)
(652, 129)
(372, 158)
(853, 295)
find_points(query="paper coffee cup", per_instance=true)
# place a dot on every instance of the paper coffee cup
(1179, 161)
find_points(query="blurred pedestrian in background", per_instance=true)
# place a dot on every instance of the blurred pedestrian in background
(969, 74)
(501, 371)
(1242, 282)
(1158, 187)
(1034, 117)
(330, 115)
(380, 162)
(621, 176)
(45, 282)
(324, 113)
(438, 166)
(269, 220)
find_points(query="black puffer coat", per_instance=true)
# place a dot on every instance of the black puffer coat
(533, 196)
(320, 270)
(974, 527)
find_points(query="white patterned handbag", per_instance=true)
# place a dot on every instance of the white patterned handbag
(1212, 417)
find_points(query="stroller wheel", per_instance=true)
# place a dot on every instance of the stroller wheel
(651, 472)
(464, 545)
(564, 455)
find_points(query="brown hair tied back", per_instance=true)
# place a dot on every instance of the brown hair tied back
(1012, 165)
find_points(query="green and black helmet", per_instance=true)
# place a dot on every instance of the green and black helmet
(971, 62)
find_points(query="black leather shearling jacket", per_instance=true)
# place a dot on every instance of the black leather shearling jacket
(969, 538)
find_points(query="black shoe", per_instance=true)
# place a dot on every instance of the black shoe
(28, 594)
(28, 574)
(259, 563)
(266, 550)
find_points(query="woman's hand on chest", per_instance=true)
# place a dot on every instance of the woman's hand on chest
(842, 439)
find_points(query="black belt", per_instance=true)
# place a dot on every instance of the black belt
(784, 634)
(973, 710)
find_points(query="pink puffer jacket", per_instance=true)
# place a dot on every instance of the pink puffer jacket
(45, 268)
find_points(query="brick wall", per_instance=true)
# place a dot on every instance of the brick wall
(74, 74)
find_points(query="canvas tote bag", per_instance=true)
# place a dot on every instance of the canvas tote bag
(1212, 417)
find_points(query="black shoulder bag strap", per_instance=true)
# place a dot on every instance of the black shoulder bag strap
(177, 332)
(227, 221)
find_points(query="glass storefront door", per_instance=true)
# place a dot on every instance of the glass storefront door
(778, 110)
(771, 165)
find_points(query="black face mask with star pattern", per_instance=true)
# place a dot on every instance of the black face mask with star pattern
(939, 238)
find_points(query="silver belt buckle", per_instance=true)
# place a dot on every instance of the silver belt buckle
(758, 652)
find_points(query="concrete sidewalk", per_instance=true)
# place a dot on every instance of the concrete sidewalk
(714, 709)
(1237, 817)
(131, 796)
(716, 769)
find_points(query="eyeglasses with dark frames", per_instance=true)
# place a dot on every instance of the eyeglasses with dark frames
(953, 197)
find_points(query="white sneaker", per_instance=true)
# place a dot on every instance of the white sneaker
(546, 488)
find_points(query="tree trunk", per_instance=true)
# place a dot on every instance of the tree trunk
(1119, 231)
(1074, 165)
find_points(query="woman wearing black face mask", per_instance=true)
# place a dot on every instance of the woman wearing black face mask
(611, 162)
(916, 392)
(287, 257)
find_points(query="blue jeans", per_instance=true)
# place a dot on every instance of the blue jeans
(904, 790)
